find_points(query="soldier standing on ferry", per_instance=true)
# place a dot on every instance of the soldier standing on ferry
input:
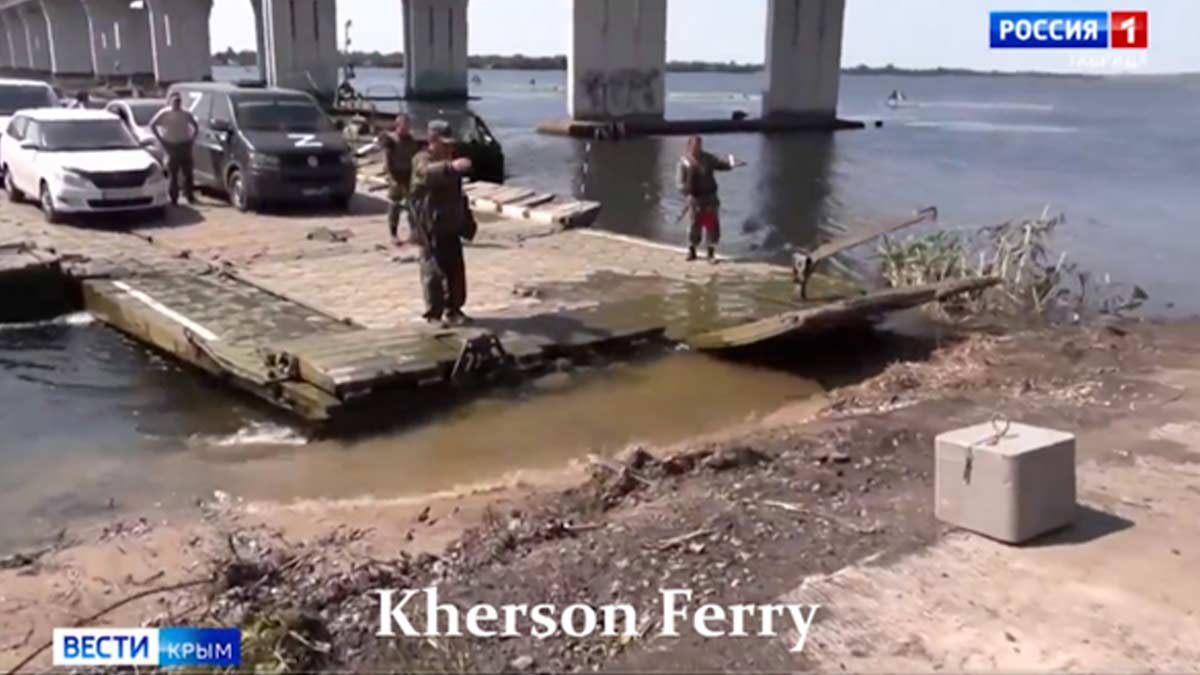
(696, 181)
(399, 147)
(441, 220)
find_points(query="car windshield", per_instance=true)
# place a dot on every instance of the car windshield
(281, 114)
(144, 112)
(73, 135)
(14, 98)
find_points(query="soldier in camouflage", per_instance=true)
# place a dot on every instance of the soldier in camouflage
(399, 147)
(696, 181)
(441, 219)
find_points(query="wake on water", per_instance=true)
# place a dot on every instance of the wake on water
(990, 127)
(256, 433)
(75, 319)
(984, 105)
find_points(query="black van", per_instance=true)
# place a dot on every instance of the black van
(264, 145)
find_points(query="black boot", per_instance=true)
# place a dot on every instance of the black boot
(691, 253)
(712, 254)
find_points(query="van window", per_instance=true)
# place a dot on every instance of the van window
(220, 109)
(280, 113)
(197, 102)
(14, 97)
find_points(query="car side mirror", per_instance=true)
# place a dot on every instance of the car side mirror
(222, 126)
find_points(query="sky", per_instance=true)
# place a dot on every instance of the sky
(907, 33)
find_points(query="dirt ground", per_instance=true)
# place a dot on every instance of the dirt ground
(835, 510)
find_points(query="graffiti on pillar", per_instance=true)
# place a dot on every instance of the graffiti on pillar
(619, 93)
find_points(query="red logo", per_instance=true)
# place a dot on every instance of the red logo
(1130, 30)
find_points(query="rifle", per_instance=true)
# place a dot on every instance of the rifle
(804, 263)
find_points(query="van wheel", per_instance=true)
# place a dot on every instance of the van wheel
(238, 195)
(48, 210)
(14, 195)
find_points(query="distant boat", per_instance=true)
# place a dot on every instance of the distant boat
(897, 99)
(475, 79)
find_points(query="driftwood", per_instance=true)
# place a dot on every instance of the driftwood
(832, 520)
(672, 542)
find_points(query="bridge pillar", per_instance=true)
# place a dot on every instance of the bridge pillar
(70, 44)
(618, 57)
(37, 37)
(179, 40)
(6, 55)
(435, 49)
(803, 59)
(18, 45)
(120, 39)
(299, 47)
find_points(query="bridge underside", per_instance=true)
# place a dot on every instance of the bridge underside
(617, 60)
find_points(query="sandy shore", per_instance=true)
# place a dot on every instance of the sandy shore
(833, 508)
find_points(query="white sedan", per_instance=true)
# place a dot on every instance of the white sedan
(79, 161)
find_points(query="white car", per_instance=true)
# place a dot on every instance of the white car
(136, 113)
(79, 161)
(21, 94)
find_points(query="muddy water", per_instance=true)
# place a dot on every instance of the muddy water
(109, 428)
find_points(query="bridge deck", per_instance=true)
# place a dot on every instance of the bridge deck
(320, 314)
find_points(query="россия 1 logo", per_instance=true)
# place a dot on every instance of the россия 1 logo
(1070, 30)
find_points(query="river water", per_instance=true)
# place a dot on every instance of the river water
(91, 423)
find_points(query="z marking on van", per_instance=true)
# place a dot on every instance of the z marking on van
(305, 140)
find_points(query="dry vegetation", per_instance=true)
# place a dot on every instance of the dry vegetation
(1035, 279)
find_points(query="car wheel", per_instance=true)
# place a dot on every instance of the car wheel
(48, 210)
(342, 203)
(14, 195)
(238, 195)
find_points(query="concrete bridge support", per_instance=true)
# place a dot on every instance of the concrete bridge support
(120, 39)
(435, 49)
(179, 39)
(803, 58)
(37, 38)
(17, 37)
(70, 46)
(618, 57)
(299, 46)
(6, 51)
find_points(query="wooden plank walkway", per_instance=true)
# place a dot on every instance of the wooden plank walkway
(319, 313)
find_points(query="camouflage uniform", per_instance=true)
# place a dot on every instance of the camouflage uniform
(441, 220)
(398, 152)
(696, 181)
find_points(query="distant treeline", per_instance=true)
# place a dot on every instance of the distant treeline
(889, 69)
(231, 57)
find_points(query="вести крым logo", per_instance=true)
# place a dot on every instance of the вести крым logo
(162, 647)
(1070, 30)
